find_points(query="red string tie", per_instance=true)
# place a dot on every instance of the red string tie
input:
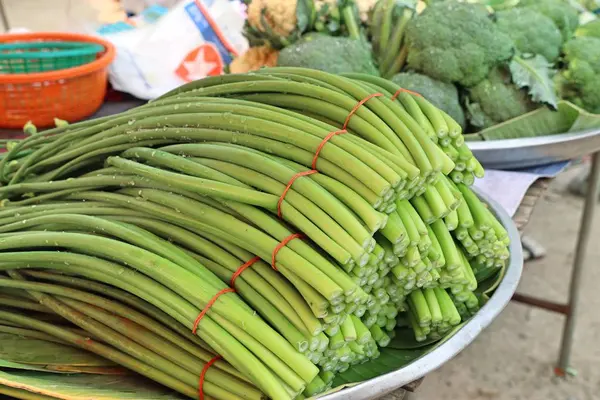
(289, 186)
(282, 245)
(357, 106)
(402, 90)
(325, 140)
(241, 269)
(203, 373)
(209, 305)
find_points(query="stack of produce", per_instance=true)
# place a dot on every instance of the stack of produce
(483, 63)
(287, 221)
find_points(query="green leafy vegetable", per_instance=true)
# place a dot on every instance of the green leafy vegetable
(534, 73)
(581, 78)
(330, 54)
(532, 32)
(456, 42)
(496, 99)
(561, 12)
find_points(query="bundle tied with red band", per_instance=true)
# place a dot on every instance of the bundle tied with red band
(189, 207)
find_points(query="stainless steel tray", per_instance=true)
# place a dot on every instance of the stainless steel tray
(532, 152)
(387, 383)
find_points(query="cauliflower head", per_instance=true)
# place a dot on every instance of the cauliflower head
(336, 55)
(561, 12)
(456, 42)
(581, 83)
(496, 99)
(531, 32)
(364, 8)
(279, 16)
(279, 23)
(441, 94)
(255, 58)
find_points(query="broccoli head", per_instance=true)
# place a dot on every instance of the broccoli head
(561, 12)
(496, 99)
(441, 94)
(456, 42)
(581, 79)
(531, 32)
(336, 55)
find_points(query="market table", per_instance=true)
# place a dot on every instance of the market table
(516, 153)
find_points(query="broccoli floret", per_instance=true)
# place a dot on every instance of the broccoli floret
(581, 79)
(496, 100)
(561, 12)
(441, 94)
(531, 31)
(456, 42)
(336, 55)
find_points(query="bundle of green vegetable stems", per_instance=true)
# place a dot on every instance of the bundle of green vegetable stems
(288, 221)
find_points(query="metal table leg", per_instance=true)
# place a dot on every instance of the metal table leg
(569, 310)
(587, 219)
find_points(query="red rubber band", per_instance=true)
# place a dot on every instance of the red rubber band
(282, 245)
(357, 106)
(242, 269)
(402, 90)
(325, 140)
(289, 185)
(203, 373)
(209, 305)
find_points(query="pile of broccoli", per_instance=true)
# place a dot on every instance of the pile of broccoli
(482, 66)
(504, 63)
(580, 81)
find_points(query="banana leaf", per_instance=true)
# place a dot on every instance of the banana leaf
(84, 386)
(541, 122)
(391, 359)
(13, 393)
(405, 340)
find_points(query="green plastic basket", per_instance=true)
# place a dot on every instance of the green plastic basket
(33, 57)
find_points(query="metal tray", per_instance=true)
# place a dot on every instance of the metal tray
(533, 152)
(387, 383)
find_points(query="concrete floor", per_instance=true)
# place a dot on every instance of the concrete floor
(512, 359)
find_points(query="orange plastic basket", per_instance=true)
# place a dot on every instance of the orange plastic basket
(70, 94)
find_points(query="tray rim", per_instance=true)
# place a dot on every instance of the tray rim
(535, 151)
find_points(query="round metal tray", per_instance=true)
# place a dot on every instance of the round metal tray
(532, 152)
(387, 383)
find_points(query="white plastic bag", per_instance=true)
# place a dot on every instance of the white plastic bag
(193, 40)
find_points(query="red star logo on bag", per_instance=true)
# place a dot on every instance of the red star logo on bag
(201, 62)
